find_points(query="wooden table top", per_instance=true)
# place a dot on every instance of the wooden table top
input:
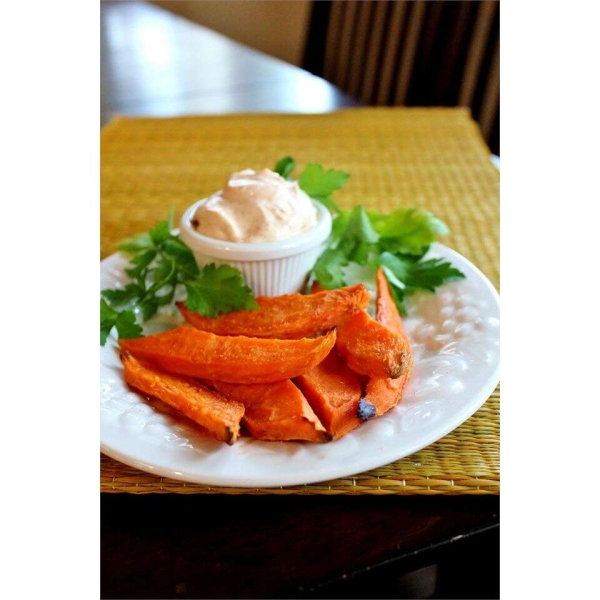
(156, 63)
(173, 546)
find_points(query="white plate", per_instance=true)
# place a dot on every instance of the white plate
(455, 343)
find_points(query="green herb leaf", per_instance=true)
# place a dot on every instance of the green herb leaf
(148, 308)
(124, 321)
(431, 274)
(141, 262)
(359, 239)
(419, 275)
(328, 270)
(399, 266)
(126, 325)
(162, 231)
(160, 264)
(164, 271)
(135, 244)
(397, 242)
(121, 297)
(218, 290)
(320, 184)
(108, 318)
(176, 250)
(285, 166)
(407, 230)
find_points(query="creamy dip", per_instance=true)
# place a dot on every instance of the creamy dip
(255, 207)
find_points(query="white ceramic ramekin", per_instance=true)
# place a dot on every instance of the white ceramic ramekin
(269, 268)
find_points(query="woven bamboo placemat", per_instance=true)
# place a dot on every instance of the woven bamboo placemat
(434, 158)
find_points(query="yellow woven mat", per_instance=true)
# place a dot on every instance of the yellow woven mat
(432, 158)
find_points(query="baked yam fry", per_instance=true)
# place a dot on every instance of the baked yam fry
(370, 348)
(194, 353)
(219, 416)
(292, 316)
(275, 411)
(333, 391)
(385, 393)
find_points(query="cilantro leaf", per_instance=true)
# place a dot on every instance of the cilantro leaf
(184, 258)
(338, 227)
(161, 264)
(398, 266)
(124, 321)
(108, 318)
(431, 274)
(135, 244)
(361, 242)
(218, 290)
(141, 263)
(148, 307)
(328, 270)
(317, 182)
(121, 297)
(359, 239)
(320, 184)
(285, 166)
(126, 325)
(164, 270)
(162, 232)
(407, 230)
(419, 275)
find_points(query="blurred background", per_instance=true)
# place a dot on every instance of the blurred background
(341, 53)
(412, 53)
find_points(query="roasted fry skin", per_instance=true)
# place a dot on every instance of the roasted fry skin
(275, 411)
(382, 392)
(370, 348)
(292, 316)
(333, 391)
(189, 351)
(219, 416)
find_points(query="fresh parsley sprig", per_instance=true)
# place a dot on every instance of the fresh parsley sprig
(161, 266)
(315, 181)
(396, 242)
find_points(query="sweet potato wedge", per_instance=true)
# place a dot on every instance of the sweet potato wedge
(385, 308)
(370, 348)
(333, 391)
(275, 411)
(220, 417)
(189, 351)
(384, 393)
(292, 316)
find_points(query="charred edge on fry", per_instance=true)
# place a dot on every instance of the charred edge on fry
(230, 436)
(366, 410)
(325, 435)
(400, 369)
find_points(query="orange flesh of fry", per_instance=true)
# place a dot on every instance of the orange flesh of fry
(219, 416)
(370, 348)
(385, 393)
(385, 307)
(275, 411)
(292, 316)
(189, 351)
(333, 391)
(366, 346)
